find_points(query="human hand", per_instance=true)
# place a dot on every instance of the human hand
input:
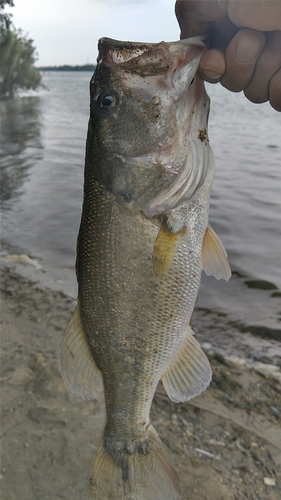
(245, 44)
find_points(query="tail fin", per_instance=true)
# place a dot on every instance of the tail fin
(140, 474)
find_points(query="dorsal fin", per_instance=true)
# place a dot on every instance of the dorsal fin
(76, 362)
(214, 256)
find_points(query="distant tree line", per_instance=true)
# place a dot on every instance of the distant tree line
(18, 56)
(66, 67)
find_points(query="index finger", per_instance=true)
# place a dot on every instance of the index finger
(196, 19)
(262, 15)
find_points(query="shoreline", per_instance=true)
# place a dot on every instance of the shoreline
(224, 444)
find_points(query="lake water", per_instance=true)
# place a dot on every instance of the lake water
(42, 147)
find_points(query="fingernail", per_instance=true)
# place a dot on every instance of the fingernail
(212, 75)
(248, 48)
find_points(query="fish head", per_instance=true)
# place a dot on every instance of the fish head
(148, 109)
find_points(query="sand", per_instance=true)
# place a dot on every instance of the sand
(224, 444)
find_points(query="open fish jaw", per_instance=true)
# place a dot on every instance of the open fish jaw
(148, 59)
(153, 66)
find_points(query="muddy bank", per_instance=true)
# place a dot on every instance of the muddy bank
(225, 444)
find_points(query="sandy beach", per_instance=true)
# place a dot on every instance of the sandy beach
(224, 444)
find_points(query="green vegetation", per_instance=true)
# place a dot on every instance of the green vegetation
(18, 55)
(67, 67)
(5, 19)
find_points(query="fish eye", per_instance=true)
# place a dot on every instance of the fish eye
(106, 101)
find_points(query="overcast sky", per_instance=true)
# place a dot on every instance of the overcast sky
(67, 31)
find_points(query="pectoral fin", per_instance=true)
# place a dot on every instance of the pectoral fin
(76, 362)
(165, 247)
(189, 374)
(214, 256)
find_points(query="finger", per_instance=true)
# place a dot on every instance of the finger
(262, 15)
(212, 66)
(195, 18)
(268, 63)
(275, 91)
(241, 56)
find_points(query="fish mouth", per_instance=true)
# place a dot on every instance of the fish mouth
(149, 59)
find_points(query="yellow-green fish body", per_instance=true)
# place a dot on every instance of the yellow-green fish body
(143, 242)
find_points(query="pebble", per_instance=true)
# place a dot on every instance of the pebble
(207, 346)
(275, 411)
(206, 453)
(21, 259)
(269, 481)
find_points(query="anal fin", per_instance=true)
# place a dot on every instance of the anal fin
(76, 362)
(189, 373)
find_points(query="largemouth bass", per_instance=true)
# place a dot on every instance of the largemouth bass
(143, 242)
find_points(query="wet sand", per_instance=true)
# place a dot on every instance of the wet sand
(224, 444)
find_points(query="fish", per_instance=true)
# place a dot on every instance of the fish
(143, 242)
